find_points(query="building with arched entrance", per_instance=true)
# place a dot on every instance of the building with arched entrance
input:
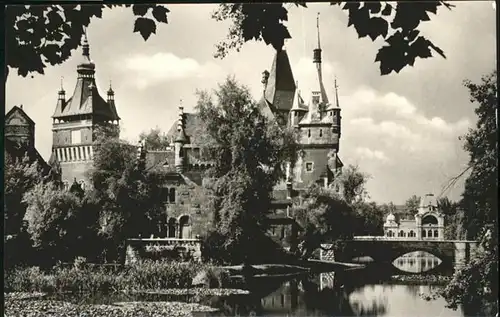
(428, 223)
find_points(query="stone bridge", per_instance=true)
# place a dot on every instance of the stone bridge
(386, 250)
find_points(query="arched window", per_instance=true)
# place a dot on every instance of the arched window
(401, 233)
(436, 233)
(185, 227)
(429, 233)
(171, 195)
(172, 226)
(411, 234)
(424, 233)
(320, 133)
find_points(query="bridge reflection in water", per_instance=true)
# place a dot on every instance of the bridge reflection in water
(417, 262)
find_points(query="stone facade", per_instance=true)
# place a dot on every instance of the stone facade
(428, 223)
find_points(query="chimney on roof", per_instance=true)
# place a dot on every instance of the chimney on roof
(21, 106)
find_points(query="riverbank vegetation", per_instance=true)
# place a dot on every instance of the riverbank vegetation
(84, 278)
(476, 284)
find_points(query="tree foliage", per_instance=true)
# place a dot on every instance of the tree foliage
(352, 183)
(324, 217)
(476, 284)
(397, 24)
(412, 204)
(247, 150)
(480, 199)
(21, 175)
(40, 35)
(155, 139)
(130, 199)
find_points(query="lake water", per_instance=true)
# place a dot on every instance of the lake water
(367, 292)
(371, 291)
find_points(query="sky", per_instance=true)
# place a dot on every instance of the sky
(401, 129)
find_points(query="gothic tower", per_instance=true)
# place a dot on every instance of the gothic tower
(76, 120)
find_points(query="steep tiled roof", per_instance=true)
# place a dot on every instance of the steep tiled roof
(21, 112)
(161, 161)
(86, 100)
(280, 87)
(193, 128)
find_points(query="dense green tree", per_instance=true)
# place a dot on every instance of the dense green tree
(130, 199)
(247, 150)
(412, 204)
(352, 184)
(325, 217)
(155, 139)
(53, 220)
(370, 219)
(475, 286)
(39, 35)
(21, 175)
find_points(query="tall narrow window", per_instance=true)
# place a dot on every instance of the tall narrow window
(171, 195)
(320, 133)
(309, 133)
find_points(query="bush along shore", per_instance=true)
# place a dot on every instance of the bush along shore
(28, 291)
(140, 276)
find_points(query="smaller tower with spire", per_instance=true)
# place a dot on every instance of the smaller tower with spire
(62, 93)
(180, 140)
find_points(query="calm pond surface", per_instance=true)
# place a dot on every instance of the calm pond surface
(365, 292)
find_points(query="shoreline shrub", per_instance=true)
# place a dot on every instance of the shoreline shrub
(93, 279)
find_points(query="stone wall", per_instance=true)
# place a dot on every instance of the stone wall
(159, 249)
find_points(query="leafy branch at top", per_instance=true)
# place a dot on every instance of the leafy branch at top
(396, 24)
(39, 35)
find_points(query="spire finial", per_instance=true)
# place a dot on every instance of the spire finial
(85, 44)
(62, 78)
(336, 91)
(317, 26)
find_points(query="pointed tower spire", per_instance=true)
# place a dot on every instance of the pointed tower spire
(319, 95)
(336, 93)
(86, 68)
(62, 93)
(111, 93)
(317, 50)
(317, 27)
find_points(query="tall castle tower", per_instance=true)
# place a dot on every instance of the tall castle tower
(317, 123)
(75, 121)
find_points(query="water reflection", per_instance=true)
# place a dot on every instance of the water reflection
(330, 294)
(417, 262)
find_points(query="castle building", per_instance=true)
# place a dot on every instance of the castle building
(20, 137)
(428, 223)
(317, 122)
(75, 121)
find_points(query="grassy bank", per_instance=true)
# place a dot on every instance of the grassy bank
(87, 279)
